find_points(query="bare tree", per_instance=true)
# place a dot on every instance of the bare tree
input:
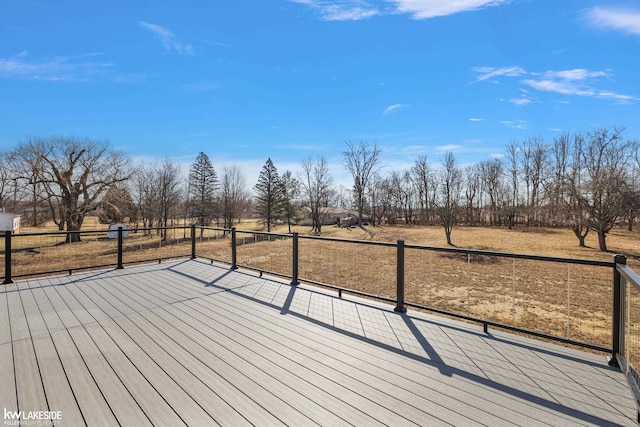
(168, 180)
(144, 192)
(75, 171)
(605, 157)
(492, 171)
(534, 159)
(472, 187)
(316, 184)
(513, 167)
(423, 178)
(574, 183)
(233, 196)
(403, 191)
(556, 187)
(28, 167)
(362, 162)
(450, 189)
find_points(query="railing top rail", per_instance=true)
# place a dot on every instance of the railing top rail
(206, 227)
(629, 275)
(57, 233)
(105, 230)
(597, 263)
(264, 233)
(361, 242)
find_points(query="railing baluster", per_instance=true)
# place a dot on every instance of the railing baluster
(193, 241)
(234, 251)
(618, 304)
(294, 260)
(7, 258)
(400, 308)
(120, 266)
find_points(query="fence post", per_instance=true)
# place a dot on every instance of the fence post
(119, 266)
(234, 254)
(294, 260)
(400, 308)
(618, 311)
(193, 241)
(7, 258)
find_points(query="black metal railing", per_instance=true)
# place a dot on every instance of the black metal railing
(574, 301)
(626, 321)
(495, 289)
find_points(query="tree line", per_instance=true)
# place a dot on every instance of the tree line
(583, 181)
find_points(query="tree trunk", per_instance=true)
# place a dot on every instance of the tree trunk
(73, 227)
(602, 240)
(581, 234)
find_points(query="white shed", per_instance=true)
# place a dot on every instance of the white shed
(113, 231)
(9, 222)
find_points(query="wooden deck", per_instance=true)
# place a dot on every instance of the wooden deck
(197, 344)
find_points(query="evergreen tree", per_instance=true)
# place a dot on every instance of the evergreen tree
(203, 184)
(290, 193)
(117, 206)
(269, 200)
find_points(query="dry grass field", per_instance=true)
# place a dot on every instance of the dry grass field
(567, 300)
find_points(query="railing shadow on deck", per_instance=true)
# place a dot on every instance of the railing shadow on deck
(433, 358)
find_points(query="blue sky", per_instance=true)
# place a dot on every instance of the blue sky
(245, 80)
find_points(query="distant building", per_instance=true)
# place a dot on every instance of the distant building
(9, 222)
(331, 216)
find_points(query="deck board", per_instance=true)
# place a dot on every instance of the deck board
(190, 343)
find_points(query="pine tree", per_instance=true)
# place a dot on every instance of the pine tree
(203, 184)
(290, 193)
(269, 200)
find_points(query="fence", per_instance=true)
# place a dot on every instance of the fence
(568, 300)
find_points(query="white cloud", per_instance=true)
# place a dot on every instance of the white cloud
(475, 119)
(486, 73)
(448, 147)
(518, 124)
(341, 10)
(572, 82)
(393, 108)
(168, 39)
(423, 9)
(625, 20)
(520, 102)
(60, 68)
(576, 74)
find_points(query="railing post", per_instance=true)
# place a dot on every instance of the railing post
(294, 260)
(234, 253)
(7, 258)
(193, 241)
(119, 266)
(400, 308)
(618, 312)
